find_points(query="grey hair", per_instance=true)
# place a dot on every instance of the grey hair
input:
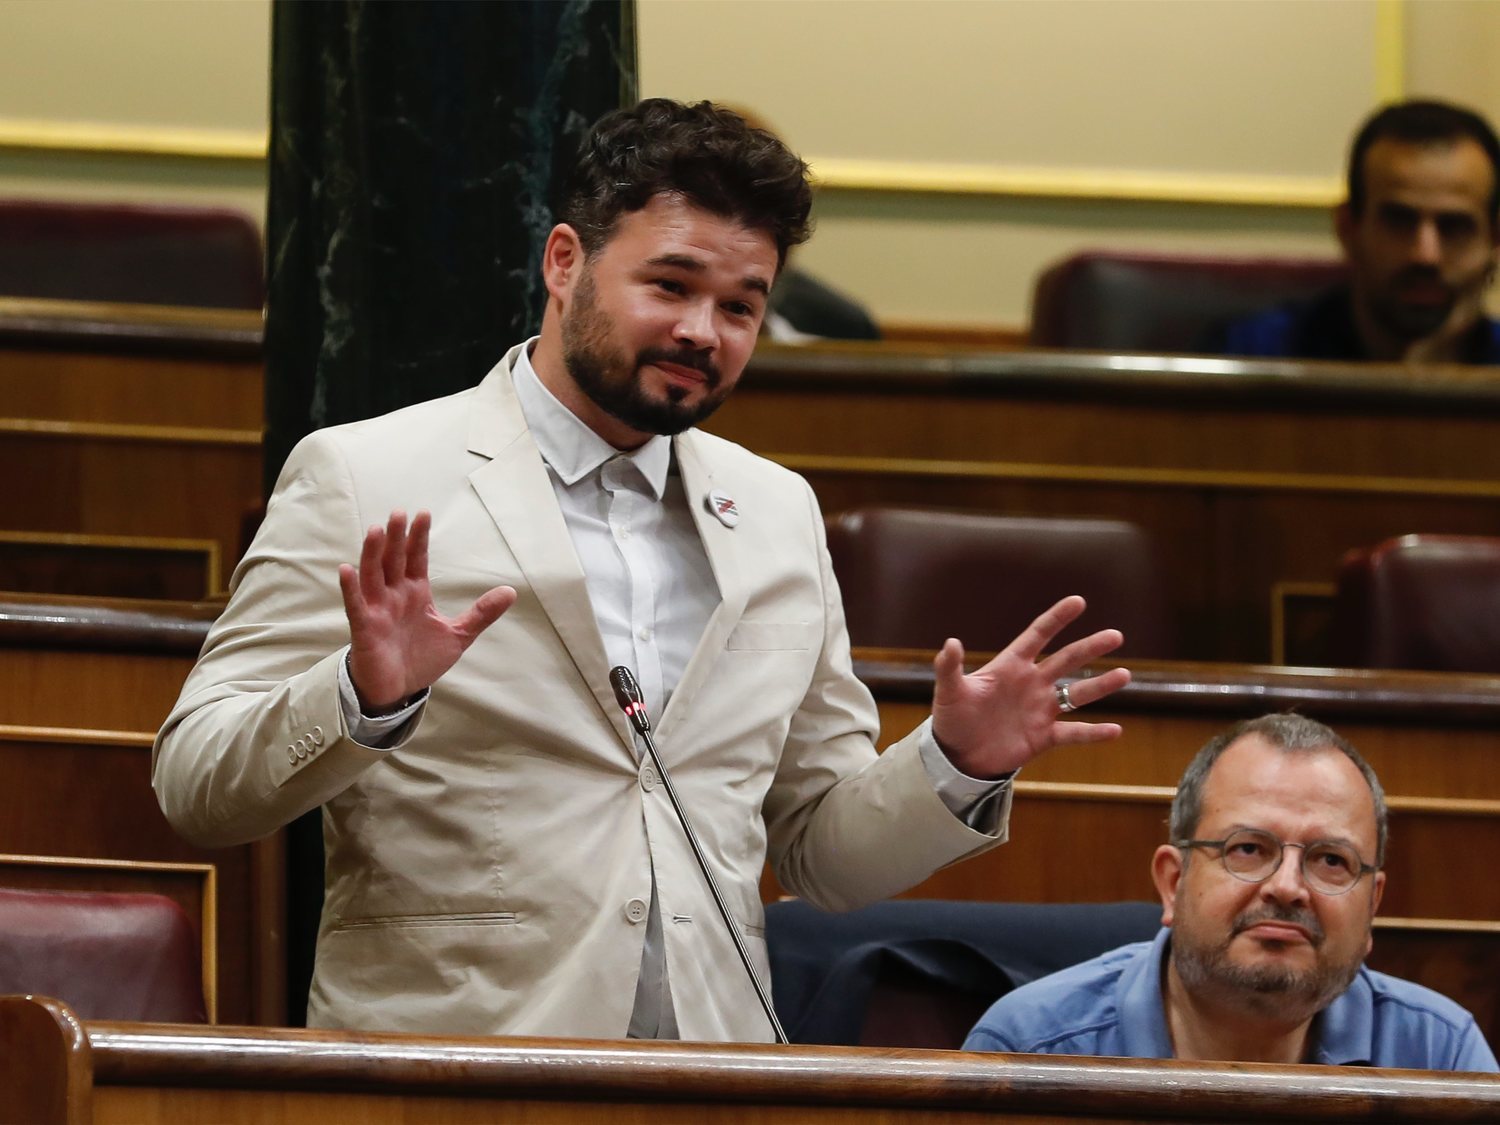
(1294, 734)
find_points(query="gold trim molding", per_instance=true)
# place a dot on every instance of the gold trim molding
(133, 140)
(1390, 50)
(131, 432)
(831, 174)
(892, 177)
(810, 464)
(76, 736)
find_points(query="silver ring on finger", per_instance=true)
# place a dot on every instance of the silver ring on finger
(1065, 703)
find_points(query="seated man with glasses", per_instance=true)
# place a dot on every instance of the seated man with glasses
(1268, 889)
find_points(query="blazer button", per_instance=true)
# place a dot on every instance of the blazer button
(317, 736)
(291, 755)
(649, 780)
(635, 912)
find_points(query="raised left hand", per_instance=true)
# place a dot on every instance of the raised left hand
(1001, 716)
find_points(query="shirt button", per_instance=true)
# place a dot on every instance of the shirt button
(645, 633)
(635, 912)
(648, 779)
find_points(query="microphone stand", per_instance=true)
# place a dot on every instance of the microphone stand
(628, 694)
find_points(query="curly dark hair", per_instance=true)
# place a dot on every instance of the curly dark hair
(1423, 122)
(705, 152)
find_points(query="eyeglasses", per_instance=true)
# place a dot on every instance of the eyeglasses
(1253, 856)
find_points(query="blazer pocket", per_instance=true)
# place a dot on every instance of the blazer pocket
(392, 921)
(764, 636)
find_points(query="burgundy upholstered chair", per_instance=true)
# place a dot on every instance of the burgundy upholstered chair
(1422, 602)
(106, 955)
(912, 577)
(1126, 302)
(206, 257)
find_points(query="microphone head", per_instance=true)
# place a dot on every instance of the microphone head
(626, 689)
(628, 695)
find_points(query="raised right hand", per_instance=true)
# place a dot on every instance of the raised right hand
(399, 642)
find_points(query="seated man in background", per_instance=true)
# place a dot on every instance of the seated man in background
(1260, 958)
(1419, 231)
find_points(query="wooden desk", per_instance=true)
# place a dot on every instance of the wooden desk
(61, 1072)
(84, 684)
(129, 428)
(139, 428)
(132, 655)
(1248, 474)
(1085, 823)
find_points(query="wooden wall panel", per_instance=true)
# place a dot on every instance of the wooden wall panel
(1246, 474)
(87, 795)
(109, 566)
(129, 421)
(88, 482)
(72, 385)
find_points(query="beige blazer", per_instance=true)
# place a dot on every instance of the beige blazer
(489, 875)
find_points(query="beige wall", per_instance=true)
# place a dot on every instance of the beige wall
(93, 91)
(962, 144)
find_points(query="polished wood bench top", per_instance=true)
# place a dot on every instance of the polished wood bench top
(105, 1072)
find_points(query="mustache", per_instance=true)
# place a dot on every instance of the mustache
(1290, 914)
(1420, 275)
(682, 357)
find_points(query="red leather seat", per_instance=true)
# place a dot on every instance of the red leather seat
(1421, 602)
(106, 955)
(912, 577)
(1127, 302)
(206, 257)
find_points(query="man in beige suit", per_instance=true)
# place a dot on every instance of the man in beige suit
(500, 858)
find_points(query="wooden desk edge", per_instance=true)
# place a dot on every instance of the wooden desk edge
(173, 1055)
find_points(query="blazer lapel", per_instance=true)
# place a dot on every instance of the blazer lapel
(515, 489)
(725, 557)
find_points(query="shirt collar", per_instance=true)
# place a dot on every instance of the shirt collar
(1143, 1012)
(566, 442)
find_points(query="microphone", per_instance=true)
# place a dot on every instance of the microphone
(628, 695)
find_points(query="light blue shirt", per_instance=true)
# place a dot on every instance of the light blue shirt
(1112, 1006)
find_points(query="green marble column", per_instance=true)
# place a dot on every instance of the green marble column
(415, 151)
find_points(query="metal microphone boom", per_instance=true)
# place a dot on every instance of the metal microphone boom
(628, 694)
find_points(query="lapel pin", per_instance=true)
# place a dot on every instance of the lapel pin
(722, 505)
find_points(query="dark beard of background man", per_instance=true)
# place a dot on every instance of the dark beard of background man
(1413, 322)
(611, 380)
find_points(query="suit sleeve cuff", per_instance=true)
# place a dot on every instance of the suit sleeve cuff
(978, 802)
(383, 732)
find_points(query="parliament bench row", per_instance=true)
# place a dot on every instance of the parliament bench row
(140, 429)
(74, 774)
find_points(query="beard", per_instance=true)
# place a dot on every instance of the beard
(1407, 321)
(1278, 990)
(612, 380)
